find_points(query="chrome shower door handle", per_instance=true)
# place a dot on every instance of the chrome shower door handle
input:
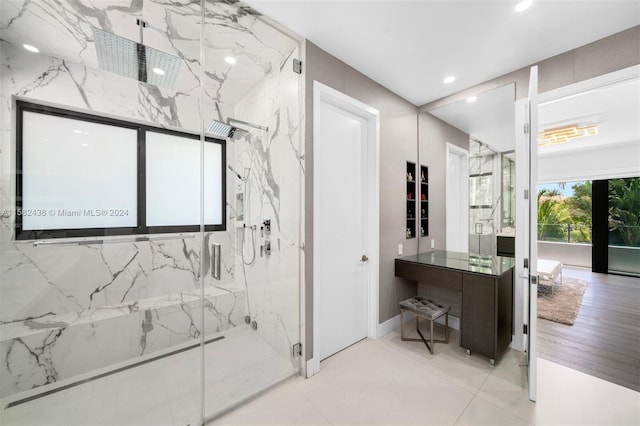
(215, 267)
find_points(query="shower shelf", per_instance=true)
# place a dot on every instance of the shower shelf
(129, 329)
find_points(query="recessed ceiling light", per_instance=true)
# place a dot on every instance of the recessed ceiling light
(77, 132)
(472, 99)
(85, 145)
(158, 71)
(449, 79)
(523, 5)
(31, 48)
(230, 60)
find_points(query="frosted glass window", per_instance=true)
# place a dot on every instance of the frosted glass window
(81, 175)
(77, 174)
(173, 181)
(481, 191)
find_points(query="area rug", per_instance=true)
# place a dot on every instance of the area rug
(564, 303)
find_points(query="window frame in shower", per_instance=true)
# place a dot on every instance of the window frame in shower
(142, 129)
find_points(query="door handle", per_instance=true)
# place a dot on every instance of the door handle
(215, 268)
(364, 258)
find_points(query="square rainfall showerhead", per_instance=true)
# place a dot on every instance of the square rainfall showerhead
(134, 60)
(225, 130)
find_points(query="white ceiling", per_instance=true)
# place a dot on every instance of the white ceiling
(409, 46)
(490, 119)
(615, 109)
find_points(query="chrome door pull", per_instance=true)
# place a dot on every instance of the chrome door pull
(215, 268)
(364, 258)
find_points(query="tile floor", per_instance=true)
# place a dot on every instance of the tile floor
(165, 391)
(391, 382)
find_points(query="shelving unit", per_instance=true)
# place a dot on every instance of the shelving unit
(424, 201)
(411, 200)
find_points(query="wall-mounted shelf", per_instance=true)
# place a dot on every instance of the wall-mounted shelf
(424, 201)
(411, 196)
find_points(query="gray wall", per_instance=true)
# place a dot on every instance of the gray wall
(398, 144)
(433, 136)
(609, 54)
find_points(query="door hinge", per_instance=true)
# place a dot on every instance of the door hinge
(526, 194)
(297, 66)
(533, 279)
(525, 328)
(526, 263)
(297, 349)
(526, 128)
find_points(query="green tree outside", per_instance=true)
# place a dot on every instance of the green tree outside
(624, 212)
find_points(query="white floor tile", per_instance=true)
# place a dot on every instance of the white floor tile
(570, 397)
(449, 361)
(481, 412)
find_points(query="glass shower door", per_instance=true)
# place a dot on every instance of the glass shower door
(252, 100)
(101, 243)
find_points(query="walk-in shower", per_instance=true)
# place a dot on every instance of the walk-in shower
(122, 316)
(484, 198)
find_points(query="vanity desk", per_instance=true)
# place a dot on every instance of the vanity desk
(485, 284)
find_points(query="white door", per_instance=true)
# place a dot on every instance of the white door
(340, 224)
(527, 221)
(457, 191)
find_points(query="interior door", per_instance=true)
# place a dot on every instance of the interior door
(340, 261)
(531, 226)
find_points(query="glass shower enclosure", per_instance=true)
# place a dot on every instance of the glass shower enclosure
(150, 189)
(484, 198)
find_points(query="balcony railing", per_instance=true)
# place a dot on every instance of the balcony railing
(565, 233)
(621, 236)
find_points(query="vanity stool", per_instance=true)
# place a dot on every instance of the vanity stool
(427, 309)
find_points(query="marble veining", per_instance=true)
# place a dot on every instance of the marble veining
(66, 311)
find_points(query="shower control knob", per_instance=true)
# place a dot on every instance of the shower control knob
(364, 258)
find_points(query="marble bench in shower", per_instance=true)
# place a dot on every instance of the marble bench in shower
(54, 348)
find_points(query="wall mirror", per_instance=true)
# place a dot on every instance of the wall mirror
(479, 172)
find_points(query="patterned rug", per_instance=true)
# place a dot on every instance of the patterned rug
(564, 303)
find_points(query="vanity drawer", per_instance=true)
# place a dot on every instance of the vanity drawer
(430, 275)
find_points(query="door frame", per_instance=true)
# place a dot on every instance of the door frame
(452, 149)
(323, 94)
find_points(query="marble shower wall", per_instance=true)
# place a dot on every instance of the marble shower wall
(68, 310)
(272, 163)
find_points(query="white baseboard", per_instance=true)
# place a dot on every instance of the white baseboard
(311, 368)
(387, 327)
(394, 323)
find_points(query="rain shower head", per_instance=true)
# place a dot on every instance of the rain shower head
(135, 60)
(225, 130)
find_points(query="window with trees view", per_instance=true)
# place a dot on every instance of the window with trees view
(624, 212)
(564, 212)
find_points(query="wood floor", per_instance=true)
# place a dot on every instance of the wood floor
(605, 339)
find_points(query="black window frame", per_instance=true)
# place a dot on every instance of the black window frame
(142, 129)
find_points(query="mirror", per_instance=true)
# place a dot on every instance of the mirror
(478, 172)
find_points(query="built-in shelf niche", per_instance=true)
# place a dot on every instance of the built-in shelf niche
(424, 201)
(411, 198)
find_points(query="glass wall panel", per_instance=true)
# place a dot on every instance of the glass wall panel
(188, 303)
(101, 320)
(624, 226)
(252, 95)
(484, 198)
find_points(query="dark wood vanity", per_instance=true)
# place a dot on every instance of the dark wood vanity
(485, 284)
